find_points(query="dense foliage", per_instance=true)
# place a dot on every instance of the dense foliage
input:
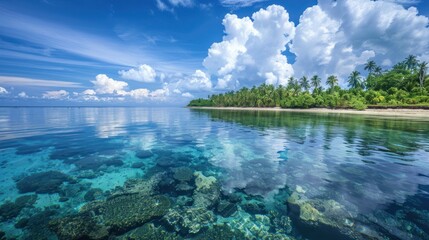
(405, 84)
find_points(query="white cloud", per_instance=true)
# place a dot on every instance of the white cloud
(404, 2)
(22, 95)
(197, 82)
(188, 95)
(251, 50)
(105, 85)
(163, 6)
(239, 3)
(89, 92)
(338, 37)
(60, 94)
(139, 93)
(3, 90)
(144, 73)
(22, 81)
(160, 93)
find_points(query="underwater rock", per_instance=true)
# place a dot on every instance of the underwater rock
(226, 209)
(202, 182)
(140, 186)
(184, 201)
(93, 194)
(183, 174)
(184, 188)
(189, 219)
(254, 207)
(252, 227)
(124, 212)
(89, 174)
(207, 193)
(328, 218)
(95, 163)
(167, 185)
(144, 154)
(37, 225)
(164, 161)
(149, 231)
(21, 223)
(10, 210)
(43, 182)
(81, 226)
(138, 165)
(221, 232)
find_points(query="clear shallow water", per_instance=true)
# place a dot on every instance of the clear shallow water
(211, 174)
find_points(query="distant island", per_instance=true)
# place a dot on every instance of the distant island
(405, 85)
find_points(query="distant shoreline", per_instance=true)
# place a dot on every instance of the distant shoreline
(400, 112)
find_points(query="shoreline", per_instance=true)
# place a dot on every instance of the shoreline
(401, 112)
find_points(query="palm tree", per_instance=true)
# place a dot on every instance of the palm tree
(378, 70)
(355, 80)
(305, 84)
(332, 81)
(370, 66)
(411, 62)
(316, 82)
(422, 73)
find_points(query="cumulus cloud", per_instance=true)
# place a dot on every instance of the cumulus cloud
(338, 37)
(105, 85)
(3, 90)
(89, 92)
(144, 73)
(60, 94)
(188, 95)
(139, 93)
(252, 49)
(22, 95)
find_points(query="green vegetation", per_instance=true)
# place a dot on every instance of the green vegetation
(405, 85)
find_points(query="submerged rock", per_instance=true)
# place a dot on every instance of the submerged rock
(94, 163)
(144, 154)
(226, 209)
(115, 215)
(221, 232)
(81, 226)
(324, 219)
(183, 174)
(10, 210)
(202, 182)
(122, 213)
(149, 231)
(44, 182)
(189, 220)
(93, 194)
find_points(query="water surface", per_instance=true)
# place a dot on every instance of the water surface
(211, 174)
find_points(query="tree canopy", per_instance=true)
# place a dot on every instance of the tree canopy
(404, 85)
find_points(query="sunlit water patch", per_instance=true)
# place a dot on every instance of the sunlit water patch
(136, 173)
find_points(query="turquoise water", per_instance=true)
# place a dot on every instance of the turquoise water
(171, 173)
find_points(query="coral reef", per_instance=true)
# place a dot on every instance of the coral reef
(144, 154)
(183, 174)
(189, 220)
(81, 226)
(149, 231)
(43, 182)
(9, 210)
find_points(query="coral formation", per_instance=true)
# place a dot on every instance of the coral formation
(43, 182)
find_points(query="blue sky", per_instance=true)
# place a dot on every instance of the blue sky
(166, 52)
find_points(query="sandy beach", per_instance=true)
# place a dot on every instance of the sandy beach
(413, 113)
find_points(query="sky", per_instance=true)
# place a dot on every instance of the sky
(167, 52)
